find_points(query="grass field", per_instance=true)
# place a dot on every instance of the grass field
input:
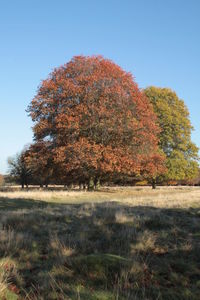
(119, 243)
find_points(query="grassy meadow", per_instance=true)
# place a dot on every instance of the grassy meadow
(117, 243)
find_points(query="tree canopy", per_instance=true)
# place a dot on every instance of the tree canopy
(94, 121)
(175, 133)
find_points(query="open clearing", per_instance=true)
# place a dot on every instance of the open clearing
(119, 243)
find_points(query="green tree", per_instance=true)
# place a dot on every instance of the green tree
(175, 135)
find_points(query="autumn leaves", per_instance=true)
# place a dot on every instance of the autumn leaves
(92, 122)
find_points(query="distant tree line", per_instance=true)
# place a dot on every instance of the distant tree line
(92, 124)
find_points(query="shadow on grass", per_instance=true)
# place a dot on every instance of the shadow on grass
(108, 248)
(18, 203)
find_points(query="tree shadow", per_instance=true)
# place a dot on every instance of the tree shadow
(97, 242)
(19, 203)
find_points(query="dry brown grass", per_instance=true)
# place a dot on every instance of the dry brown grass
(119, 243)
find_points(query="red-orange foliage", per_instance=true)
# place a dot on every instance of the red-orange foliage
(96, 120)
(39, 160)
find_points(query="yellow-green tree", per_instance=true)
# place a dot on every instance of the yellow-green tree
(175, 135)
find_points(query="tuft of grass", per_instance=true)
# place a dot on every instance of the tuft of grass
(8, 274)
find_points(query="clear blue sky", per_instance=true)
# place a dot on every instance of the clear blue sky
(157, 40)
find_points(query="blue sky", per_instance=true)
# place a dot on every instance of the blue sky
(158, 41)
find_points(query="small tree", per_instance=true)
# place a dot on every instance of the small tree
(1, 180)
(39, 161)
(19, 170)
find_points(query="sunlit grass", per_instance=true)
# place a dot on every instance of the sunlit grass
(162, 196)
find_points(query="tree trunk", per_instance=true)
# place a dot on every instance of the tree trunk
(97, 184)
(91, 184)
(153, 184)
(22, 185)
(71, 186)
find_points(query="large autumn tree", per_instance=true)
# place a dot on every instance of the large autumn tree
(175, 135)
(96, 121)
